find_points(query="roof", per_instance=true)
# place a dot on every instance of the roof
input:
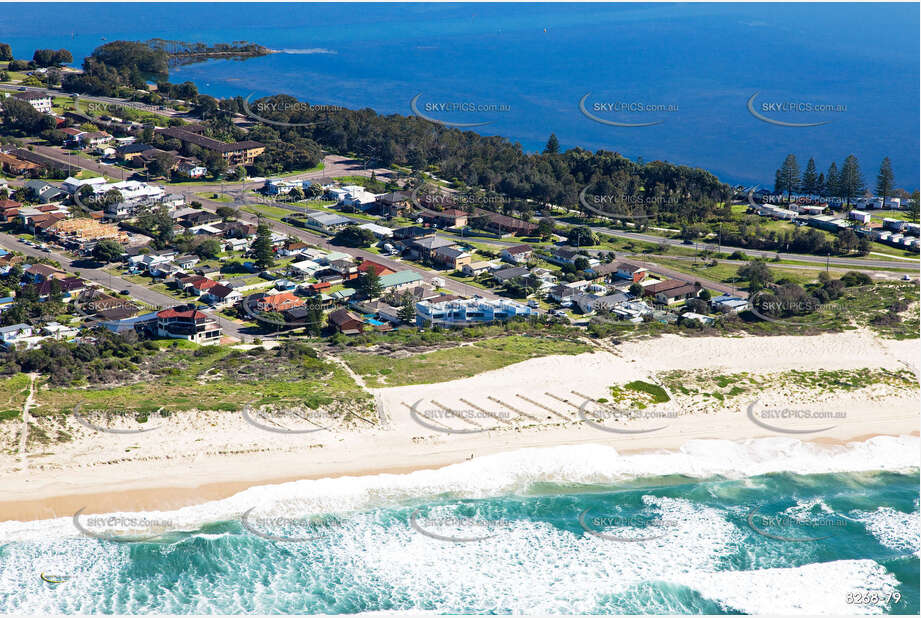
(380, 269)
(328, 218)
(624, 266)
(279, 299)
(221, 291)
(400, 278)
(668, 284)
(518, 249)
(450, 252)
(340, 317)
(511, 273)
(434, 242)
(192, 314)
(42, 269)
(679, 291)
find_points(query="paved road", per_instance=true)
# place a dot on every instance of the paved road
(855, 263)
(110, 281)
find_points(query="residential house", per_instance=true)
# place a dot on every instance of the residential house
(326, 221)
(451, 257)
(453, 311)
(222, 296)
(45, 192)
(401, 280)
(281, 301)
(859, 216)
(672, 291)
(392, 204)
(448, 218)
(697, 317)
(519, 254)
(507, 274)
(380, 309)
(631, 272)
(68, 288)
(475, 268)
(412, 232)
(502, 224)
(346, 322)
(426, 247)
(563, 255)
(188, 323)
(10, 336)
(38, 273)
(729, 304)
(186, 262)
(14, 166)
(380, 269)
(380, 232)
(592, 302)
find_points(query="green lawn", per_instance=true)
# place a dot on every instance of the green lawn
(458, 362)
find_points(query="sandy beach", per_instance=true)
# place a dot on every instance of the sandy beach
(202, 456)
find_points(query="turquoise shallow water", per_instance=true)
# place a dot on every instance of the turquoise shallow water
(777, 542)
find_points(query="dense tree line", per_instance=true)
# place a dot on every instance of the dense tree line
(846, 182)
(117, 65)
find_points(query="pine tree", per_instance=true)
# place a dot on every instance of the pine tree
(885, 180)
(810, 179)
(789, 175)
(370, 284)
(262, 247)
(553, 145)
(407, 311)
(820, 187)
(851, 180)
(832, 186)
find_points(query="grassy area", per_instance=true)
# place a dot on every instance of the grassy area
(639, 394)
(458, 362)
(185, 376)
(714, 386)
(726, 272)
(13, 393)
(214, 197)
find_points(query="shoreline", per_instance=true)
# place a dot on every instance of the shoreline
(51, 502)
(201, 456)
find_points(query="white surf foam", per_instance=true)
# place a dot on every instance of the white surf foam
(515, 471)
(894, 529)
(819, 588)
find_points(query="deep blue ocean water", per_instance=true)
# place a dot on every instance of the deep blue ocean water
(703, 60)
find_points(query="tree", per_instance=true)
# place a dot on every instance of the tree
(354, 236)
(6, 52)
(226, 213)
(851, 180)
(789, 176)
(810, 180)
(262, 247)
(107, 250)
(914, 207)
(885, 180)
(545, 227)
(820, 187)
(757, 274)
(208, 249)
(846, 241)
(582, 236)
(369, 284)
(553, 145)
(636, 289)
(832, 186)
(407, 311)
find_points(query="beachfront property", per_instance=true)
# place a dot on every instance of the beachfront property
(346, 322)
(19, 335)
(672, 291)
(454, 311)
(188, 323)
(729, 303)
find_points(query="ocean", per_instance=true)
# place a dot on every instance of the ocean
(523, 68)
(770, 526)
